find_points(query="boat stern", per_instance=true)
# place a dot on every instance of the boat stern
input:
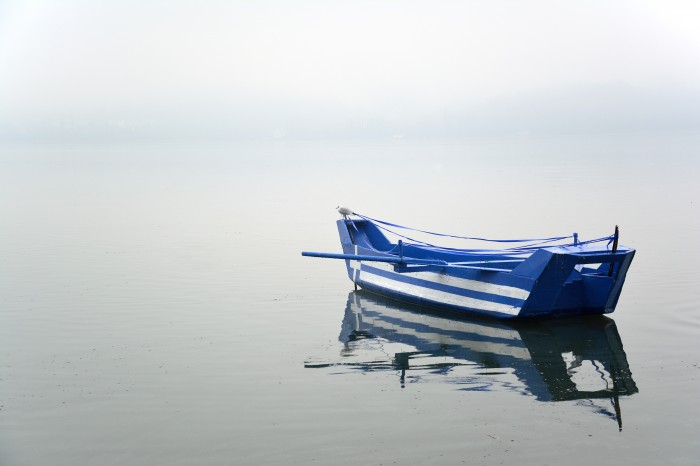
(575, 280)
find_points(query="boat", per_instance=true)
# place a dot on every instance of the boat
(535, 277)
(578, 359)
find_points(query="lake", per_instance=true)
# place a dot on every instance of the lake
(155, 308)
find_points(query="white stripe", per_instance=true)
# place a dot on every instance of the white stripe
(437, 296)
(356, 266)
(474, 285)
(464, 283)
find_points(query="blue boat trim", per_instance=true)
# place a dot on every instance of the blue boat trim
(577, 278)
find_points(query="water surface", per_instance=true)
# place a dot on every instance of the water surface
(155, 309)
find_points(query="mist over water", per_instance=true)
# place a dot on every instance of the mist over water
(132, 71)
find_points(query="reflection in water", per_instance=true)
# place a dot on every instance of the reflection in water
(554, 360)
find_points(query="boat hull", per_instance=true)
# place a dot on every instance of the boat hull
(551, 282)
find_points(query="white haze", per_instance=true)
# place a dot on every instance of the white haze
(309, 68)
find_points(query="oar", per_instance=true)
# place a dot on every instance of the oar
(363, 257)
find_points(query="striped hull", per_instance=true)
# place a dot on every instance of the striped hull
(553, 281)
(439, 290)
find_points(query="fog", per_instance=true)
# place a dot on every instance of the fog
(323, 69)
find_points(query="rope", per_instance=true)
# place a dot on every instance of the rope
(555, 238)
(534, 243)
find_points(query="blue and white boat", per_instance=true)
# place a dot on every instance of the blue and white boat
(557, 276)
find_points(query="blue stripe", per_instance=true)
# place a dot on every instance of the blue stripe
(494, 278)
(505, 279)
(403, 278)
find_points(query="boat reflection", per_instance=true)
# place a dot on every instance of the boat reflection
(554, 360)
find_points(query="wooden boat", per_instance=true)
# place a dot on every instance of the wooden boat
(553, 360)
(534, 278)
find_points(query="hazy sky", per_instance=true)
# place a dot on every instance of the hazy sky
(333, 67)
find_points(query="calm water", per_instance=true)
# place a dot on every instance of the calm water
(155, 309)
